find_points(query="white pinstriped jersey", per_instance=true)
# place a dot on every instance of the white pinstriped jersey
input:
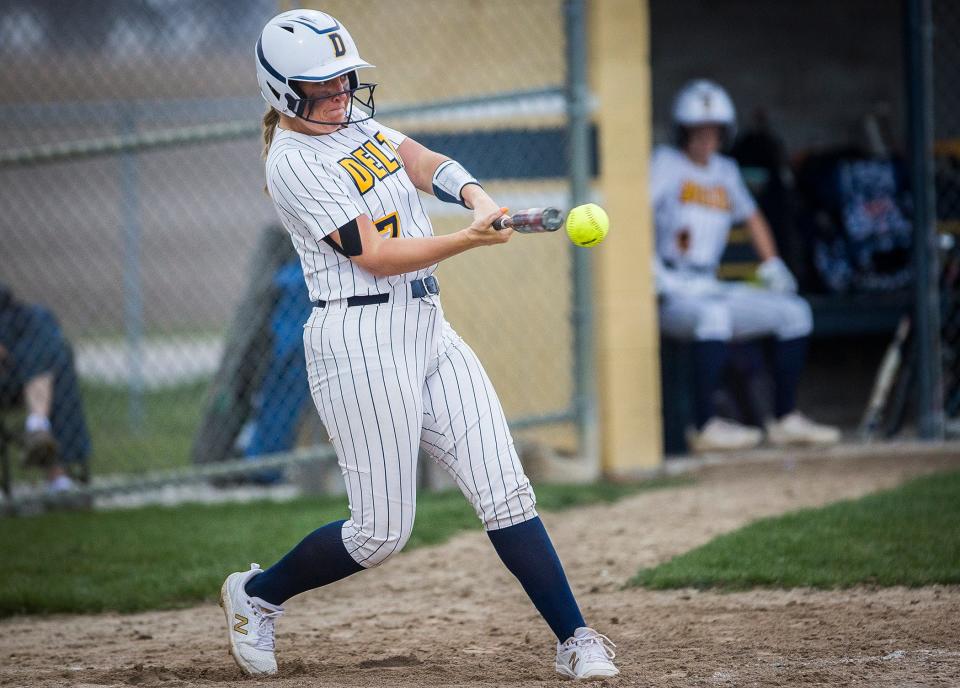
(320, 183)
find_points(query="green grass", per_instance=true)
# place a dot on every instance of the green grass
(170, 419)
(906, 536)
(160, 557)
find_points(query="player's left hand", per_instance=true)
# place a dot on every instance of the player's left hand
(481, 202)
(484, 207)
(776, 276)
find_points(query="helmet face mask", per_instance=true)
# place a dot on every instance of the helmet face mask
(303, 107)
(682, 134)
(310, 46)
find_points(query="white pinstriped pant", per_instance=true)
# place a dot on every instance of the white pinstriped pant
(388, 379)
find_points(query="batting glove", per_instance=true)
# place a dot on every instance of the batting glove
(776, 276)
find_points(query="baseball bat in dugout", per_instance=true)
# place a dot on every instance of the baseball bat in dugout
(532, 221)
(883, 383)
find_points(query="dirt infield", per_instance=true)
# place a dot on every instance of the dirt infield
(451, 616)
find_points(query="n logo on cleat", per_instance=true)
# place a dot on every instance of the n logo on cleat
(574, 660)
(241, 625)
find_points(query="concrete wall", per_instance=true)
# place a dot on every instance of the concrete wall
(817, 66)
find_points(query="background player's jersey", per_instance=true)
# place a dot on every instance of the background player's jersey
(694, 206)
(320, 183)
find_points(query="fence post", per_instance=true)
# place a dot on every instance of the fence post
(578, 130)
(132, 282)
(919, 75)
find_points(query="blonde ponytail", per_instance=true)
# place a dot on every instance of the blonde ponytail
(270, 120)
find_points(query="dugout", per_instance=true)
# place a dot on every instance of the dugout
(814, 84)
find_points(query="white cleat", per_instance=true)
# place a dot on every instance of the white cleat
(796, 429)
(720, 434)
(250, 624)
(585, 656)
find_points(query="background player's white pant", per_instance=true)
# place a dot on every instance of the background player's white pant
(731, 311)
(389, 379)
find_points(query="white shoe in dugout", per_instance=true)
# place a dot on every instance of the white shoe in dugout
(719, 434)
(250, 624)
(796, 428)
(586, 655)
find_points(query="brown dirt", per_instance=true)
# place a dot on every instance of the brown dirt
(451, 616)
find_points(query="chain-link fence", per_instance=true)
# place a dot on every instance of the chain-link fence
(946, 77)
(152, 312)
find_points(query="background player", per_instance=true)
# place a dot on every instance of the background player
(37, 370)
(697, 195)
(387, 373)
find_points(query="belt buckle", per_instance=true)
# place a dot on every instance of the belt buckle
(431, 285)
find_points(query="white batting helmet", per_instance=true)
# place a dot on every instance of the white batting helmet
(307, 45)
(703, 102)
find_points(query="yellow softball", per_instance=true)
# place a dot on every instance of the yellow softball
(587, 225)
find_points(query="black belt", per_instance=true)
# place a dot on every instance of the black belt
(686, 267)
(418, 289)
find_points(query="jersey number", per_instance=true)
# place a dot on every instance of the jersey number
(389, 225)
(339, 49)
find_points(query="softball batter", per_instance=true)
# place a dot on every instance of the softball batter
(387, 373)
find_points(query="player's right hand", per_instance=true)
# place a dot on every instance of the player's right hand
(481, 231)
(775, 275)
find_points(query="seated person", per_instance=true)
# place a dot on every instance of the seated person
(697, 195)
(36, 369)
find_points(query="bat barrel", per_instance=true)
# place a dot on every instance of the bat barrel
(552, 219)
(533, 221)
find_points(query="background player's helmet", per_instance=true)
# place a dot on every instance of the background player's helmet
(703, 102)
(307, 45)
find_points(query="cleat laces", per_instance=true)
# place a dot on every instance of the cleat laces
(595, 646)
(266, 630)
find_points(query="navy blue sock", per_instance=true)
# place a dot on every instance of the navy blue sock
(709, 360)
(319, 559)
(789, 357)
(527, 552)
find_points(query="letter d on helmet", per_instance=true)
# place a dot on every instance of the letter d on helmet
(306, 45)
